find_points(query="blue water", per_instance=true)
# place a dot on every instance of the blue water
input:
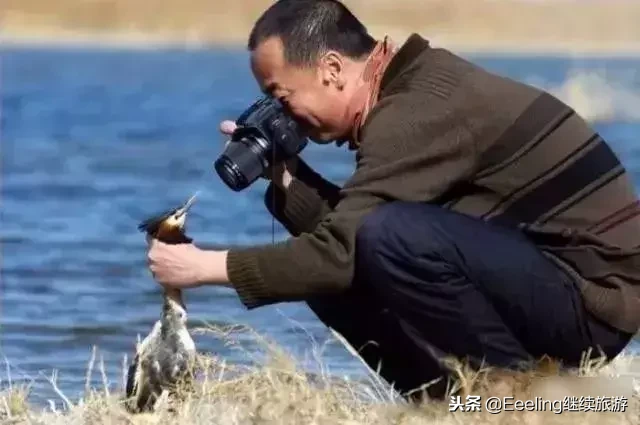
(93, 141)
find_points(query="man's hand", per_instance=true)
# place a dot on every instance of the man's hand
(280, 174)
(184, 266)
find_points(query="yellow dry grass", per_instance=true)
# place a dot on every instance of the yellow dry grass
(595, 26)
(277, 391)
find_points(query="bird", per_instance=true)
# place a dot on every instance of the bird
(165, 356)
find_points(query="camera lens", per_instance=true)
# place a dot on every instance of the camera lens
(241, 163)
(229, 173)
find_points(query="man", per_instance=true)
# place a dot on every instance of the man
(484, 219)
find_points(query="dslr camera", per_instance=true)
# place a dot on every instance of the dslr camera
(265, 136)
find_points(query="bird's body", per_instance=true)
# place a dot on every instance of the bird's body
(164, 357)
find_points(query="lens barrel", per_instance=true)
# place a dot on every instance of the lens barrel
(264, 134)
(242, 163)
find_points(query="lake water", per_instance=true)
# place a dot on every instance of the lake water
(93, 141)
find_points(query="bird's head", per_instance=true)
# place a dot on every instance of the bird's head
(170, 225)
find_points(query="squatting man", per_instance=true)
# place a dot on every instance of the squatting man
(485, 219)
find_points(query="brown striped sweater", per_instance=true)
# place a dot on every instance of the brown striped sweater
(448, 132)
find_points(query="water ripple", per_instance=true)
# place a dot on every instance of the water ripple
(94, 142)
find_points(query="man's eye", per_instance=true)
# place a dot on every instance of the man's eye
(287, 105)
(284, 100)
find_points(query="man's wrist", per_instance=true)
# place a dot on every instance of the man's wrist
(212, 268)
(285, 181)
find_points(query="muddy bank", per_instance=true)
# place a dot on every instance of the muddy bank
(471, 25)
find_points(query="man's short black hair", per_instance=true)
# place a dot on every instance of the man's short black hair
(309, 28)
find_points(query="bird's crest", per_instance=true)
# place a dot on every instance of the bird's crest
(168, 220)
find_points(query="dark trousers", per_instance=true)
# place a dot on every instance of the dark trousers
(431, 283)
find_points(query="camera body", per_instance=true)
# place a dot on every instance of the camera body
(265, 135)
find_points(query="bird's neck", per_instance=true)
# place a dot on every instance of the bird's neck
(173, 297)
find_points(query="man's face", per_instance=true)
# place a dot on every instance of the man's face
(315, 96)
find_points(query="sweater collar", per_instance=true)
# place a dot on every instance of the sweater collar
(367, 96)
(385, 64)
(406, 54)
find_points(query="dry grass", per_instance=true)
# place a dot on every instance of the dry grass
(277, 391)
(609, 25)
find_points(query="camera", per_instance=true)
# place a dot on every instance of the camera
(265, 135)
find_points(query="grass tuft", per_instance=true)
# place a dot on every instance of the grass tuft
(276, 390)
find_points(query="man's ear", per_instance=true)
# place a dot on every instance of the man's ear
(332, 66)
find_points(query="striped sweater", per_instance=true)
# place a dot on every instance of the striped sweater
(446, 131)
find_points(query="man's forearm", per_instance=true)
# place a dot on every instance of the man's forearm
(300, 201)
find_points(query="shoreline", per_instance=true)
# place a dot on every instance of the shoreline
(62, 38)
(605, 28)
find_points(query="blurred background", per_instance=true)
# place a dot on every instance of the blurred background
(110, 112)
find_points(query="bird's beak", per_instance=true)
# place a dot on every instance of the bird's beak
(185, 208)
